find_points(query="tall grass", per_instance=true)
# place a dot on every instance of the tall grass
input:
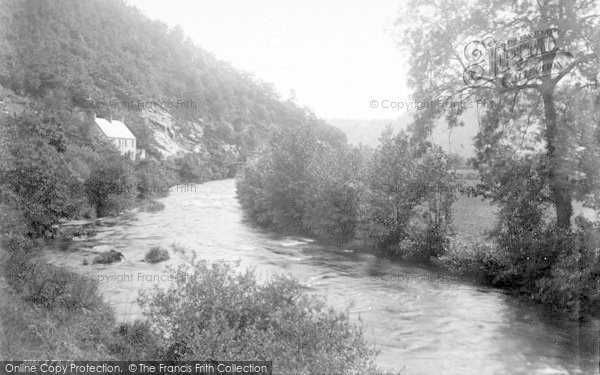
(51, 312)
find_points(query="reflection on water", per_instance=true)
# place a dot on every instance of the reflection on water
(422, 322)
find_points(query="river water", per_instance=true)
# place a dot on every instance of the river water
(423, 322)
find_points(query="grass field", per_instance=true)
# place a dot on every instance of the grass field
(472, 217)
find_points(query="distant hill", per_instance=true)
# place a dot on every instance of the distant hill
(367, 132)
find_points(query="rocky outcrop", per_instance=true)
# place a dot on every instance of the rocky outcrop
(170, 136)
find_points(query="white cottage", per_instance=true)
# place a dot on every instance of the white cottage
(121, 136)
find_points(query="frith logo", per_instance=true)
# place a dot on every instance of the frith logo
(515, 62)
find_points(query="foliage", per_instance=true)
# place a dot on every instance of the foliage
(392, 198)
(135, 341)
(405, 206)
(561, 269)
(537, 147)
(397, 198)
(331, 212)
(107, 257)
(13, 226)
(156, 254)
(48, 173)
(59, 52)
(111, 186)
(525, 113)
(482, 259)
(193, 168)
(50, 286)
(215, 312)
(50, 312)
(542, 254)
(296, 183)
(32, 173)
(31, 332)
(153, 179)
(58, 67)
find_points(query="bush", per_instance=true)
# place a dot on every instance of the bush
(572, 282)
(193, 168)
(482, 259)
(215, 312)
(36, 172)
(153, 179)
(51, 312)
(13, 229)
(108, 257)
(33, 332)
(303, 182)
(156, 254)
(135, 341)
(404, 208)
(50, 286)
(396, 198)
(111, 186)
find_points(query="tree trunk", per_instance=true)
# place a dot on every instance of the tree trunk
(561, 194)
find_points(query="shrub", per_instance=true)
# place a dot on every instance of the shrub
(572, 283)
(215, 312)
(480, 258)
(108, 257)
(302, 182)
(153, 179)
(156, 254)
(135, 341)
(193, 167)
(404, 208)
(33, 332)
(51, 286)
(50, 312)
(111, 186)
(13, 229)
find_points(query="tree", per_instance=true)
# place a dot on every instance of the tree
(33, 173)
(404, 207)
(437, 32)
(302, 181)
(334, 183)
(538, 134)
(111, 185)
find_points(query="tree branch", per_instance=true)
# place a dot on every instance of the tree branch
(571, 66)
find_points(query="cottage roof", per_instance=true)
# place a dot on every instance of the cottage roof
(114, 129)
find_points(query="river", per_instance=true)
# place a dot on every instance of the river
(423, 322)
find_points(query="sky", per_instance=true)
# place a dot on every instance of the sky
(338, 56)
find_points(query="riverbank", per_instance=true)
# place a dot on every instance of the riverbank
(408, 311)
(54, 311)
(472, 255)
(46, 312)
